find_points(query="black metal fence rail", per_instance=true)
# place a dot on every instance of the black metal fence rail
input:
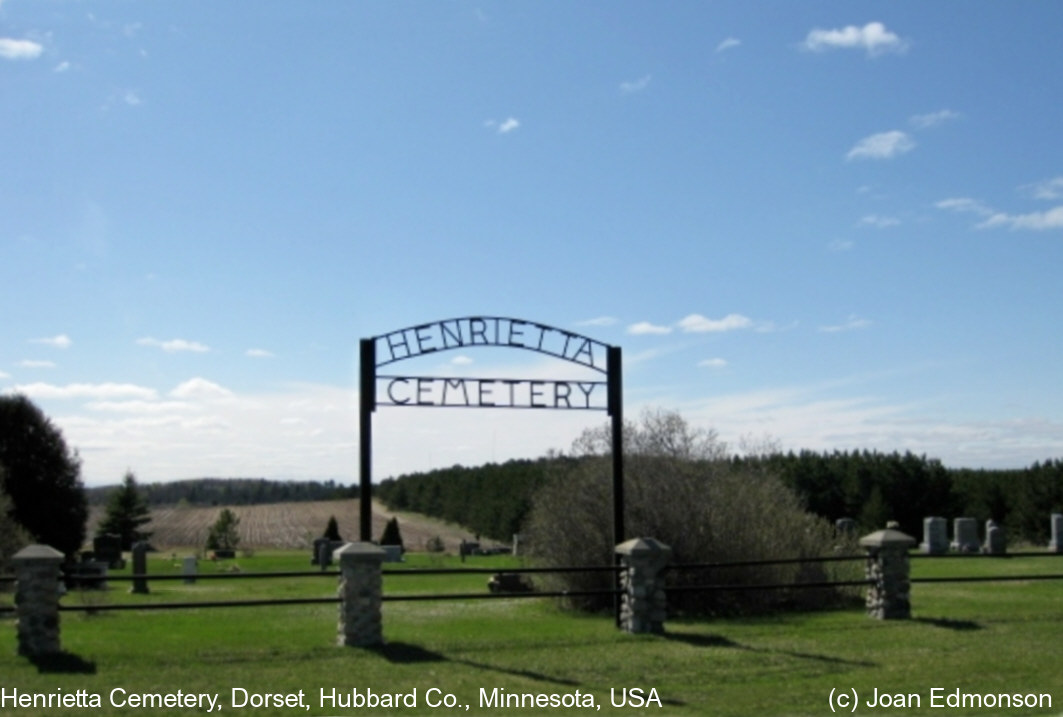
(825, 584)
(424, 572)
(398, 572)
(1017, 554)
(760, 563)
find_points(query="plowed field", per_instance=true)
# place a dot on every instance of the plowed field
(287, 525)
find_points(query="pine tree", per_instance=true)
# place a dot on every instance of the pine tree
(392, 535)
(127, 511)
(332, 530)
(223, 534)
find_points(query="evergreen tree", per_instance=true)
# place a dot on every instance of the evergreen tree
(392, 535)
(223, 534)
(332, 530)
(41, 476)
(127, 511)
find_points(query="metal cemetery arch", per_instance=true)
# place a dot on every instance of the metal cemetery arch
(443, 391)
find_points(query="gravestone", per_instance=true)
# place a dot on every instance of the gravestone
(190, 568)
(516, 544)
(392, 553)
(995, 540)
(108, 548)
(323, 550)
(1056, 544)
(89, 574)
(965, 535)
(140, 567)
(935, 536)
(845, 525)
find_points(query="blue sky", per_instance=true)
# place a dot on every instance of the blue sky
(834, 224)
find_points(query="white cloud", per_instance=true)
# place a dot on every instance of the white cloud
(174, 345)
(139, 407)
(20, 49)
(84, 390)
(714, 363)
(200, 388)
(35, 363)
(851, 324)
(878, 221)
(506, 126)
(872, 37)
(258, 353)
(884, 145)
(696, 323)
(62, 67)
(462, 360)
(728, 44)
(638, 85)
(598, 321)
(933, 119)
(841, 245)
(643, 328)
(964, 204)
(1036, 221)
(62, 341)
(1048, 189)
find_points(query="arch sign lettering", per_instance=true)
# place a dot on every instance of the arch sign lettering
(404, 391)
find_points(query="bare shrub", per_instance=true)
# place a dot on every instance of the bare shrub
(681, 489)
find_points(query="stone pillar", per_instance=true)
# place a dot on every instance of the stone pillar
(965, 535)
(140, 567)
(37, 599)
(643, 605)
(1056, 544)
(935, 536)
(361, 594)
(995, 540)
(887, 567)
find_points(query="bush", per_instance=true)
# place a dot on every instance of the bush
(681, 489)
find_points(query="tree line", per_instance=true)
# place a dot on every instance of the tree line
(490, 500)
(230, 491)
(868, 486)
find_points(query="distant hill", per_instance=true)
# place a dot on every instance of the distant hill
(230, 491)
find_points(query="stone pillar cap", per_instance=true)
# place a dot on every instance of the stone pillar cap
(887, 538)
(38, 552)
(361, 550)
(643, 546)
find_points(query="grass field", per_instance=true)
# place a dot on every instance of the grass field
(978, 638)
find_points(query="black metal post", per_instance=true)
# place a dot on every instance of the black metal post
(367, 401)
(616, 412)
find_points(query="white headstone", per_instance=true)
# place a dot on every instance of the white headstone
(1056, 544)
(995, 543)
(965, 535)
(935, 536)
(190, 568)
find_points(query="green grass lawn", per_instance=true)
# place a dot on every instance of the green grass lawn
(974, 637)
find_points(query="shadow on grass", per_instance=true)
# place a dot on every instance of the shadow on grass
(405, 653)
(958, 625)
(719, 641)
(63, 663)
